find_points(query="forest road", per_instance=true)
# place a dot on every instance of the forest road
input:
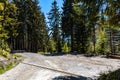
(41, 67)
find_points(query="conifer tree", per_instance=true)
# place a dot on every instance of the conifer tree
(8, 22)
(85, 23)
(32, 27)
(67, 21)
(54, 23)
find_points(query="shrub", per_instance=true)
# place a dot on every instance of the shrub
(1, 51)
(6, 54)
(65, 47)
(110, 76)
(8, 67)
(17, 55)
(41, 52)
(101, 45)
(4, 49)
(51, 46)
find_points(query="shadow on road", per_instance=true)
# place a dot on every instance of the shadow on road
(70, 78)
(70, 53)
(60, 54)
(56, 54)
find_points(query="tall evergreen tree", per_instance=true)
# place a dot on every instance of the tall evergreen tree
(110, 13)
(54, 21)
(43, 35)
(85, 23)
(113, 12)
(67, 21)
(32, 27)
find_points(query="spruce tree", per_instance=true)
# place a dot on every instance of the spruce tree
(67, 21)
(85, 23)
(54, 23)
(32, 27)
(113, 12)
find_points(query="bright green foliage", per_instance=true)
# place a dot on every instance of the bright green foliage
(3, 32)
(8, 24)
(8, 67)
(6, 54)
(4, 45)
(101, 45)
(52, 46)
(23, 26)
(65, 47)
(17, 55)
(1, 5)
(90, 48)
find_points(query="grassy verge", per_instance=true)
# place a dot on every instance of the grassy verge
(15, 59)
(17, 55)
(8, 67)
(110, 76)
(43, 53)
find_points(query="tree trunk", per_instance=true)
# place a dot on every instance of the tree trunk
(94, 40)
(111, 46)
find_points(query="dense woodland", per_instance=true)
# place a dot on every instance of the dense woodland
(83, 26)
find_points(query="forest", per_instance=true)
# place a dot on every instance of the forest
(82, 27)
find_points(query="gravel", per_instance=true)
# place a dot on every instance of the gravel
(75, 64)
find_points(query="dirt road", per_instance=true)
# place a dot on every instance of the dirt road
(40, 67)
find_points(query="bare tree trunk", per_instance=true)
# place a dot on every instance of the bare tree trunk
(72, 36)
(111, 46)
(25, 36)
(94, 40)
(72, 40)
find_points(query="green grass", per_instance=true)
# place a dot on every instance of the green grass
(110, 76)
(17, 55)
(11, 65)
(8, 67)
(42, 52)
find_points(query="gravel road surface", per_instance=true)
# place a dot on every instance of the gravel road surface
(43, 67)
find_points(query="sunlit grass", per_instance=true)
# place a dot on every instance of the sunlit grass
(8, 67)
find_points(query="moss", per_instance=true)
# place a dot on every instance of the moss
(110, 76)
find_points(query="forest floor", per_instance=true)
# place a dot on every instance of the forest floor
(47, 67)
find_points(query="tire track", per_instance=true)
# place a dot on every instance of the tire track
(60, 71)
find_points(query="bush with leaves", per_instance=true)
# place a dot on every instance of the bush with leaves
(4, 49)
(101, 45)
(65, 47)
(51, 46)
(8, 25)
(115, 75)
(90, 48)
